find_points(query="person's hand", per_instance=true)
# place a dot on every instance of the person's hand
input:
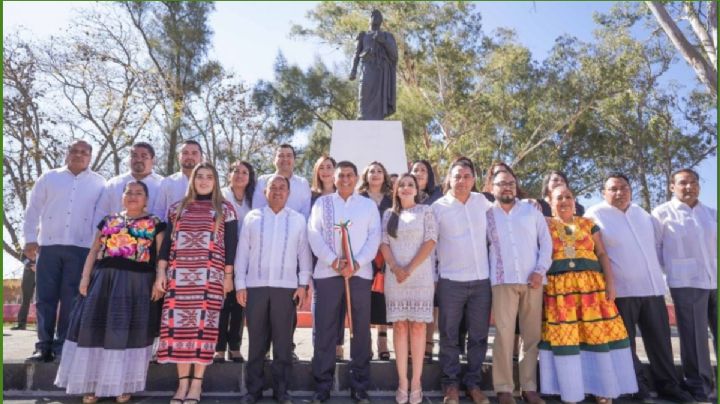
(160, 287)
(30, 251)
(300, 295)
(349, 269)
(84, 283)
(535, 280)
(32, 266)
(338, 265)
(610, 293)
(228, 283)
(241, 297)
(401, 274)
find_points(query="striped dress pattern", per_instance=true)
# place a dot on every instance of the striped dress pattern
(195, 295)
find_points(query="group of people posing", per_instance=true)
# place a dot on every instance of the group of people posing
(170, 266)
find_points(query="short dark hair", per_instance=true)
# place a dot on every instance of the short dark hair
(147, 146)
(82, 142)
(615, 174)
(192, 142)
(138, 182)
(685, 170)
(286, 146)
(347, 164)
(465, 163)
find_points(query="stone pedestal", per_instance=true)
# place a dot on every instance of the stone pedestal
(365, 141)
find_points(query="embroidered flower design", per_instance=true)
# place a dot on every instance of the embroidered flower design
(143, 228)
(113, 225)
(121, 245)
(143, 250)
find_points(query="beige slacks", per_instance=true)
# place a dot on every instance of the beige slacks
(508, 302)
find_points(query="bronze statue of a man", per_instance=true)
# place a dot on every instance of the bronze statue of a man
(378, 52)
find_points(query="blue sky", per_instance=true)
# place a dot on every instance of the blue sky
(249, 35)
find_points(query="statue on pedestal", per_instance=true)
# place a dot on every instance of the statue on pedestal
(377, 55)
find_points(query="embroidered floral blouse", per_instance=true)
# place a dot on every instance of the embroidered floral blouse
(129, 243)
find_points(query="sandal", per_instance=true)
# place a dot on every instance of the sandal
(416, 396)
(123, 398)
(89, 399)
(177, 400)
(193, 400)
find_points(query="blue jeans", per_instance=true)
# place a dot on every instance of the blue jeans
(58, 272)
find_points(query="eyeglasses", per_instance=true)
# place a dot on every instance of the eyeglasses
(505, 184)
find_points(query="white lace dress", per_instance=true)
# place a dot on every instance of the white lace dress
(411, 300)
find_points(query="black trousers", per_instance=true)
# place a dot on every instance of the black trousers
(471, 300)
(269, 319)
(649, 313)
(230, 327)
(330, 295)
(28, 289)
(693, 313)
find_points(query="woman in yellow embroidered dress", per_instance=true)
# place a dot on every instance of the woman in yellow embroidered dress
(585, 347)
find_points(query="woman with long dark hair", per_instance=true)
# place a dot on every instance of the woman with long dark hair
(375, 184)
(409, 236)
(195, 271)
(239, 193)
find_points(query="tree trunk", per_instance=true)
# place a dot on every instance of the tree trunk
(701, 33)
(706, 73)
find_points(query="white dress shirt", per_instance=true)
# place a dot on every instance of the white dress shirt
(688, 244)
(298, 200)
(270, 248)
(172, 189)
(520, 243)
(461, 249)
(631, 244)
(111, 199)
(62, 208)
(241, 208)
(325, 240)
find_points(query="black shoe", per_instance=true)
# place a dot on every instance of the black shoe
(360, 397)
(320, 397)
(18, 327)
(676, 394)
(283, 399)
(41, 356)
(249, 399)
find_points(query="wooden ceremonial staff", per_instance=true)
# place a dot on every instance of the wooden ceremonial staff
(348, 255)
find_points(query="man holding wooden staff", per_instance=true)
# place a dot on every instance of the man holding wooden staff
(344, 233)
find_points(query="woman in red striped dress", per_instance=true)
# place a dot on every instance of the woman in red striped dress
(195, 271)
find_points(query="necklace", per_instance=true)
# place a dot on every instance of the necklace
(567, 233)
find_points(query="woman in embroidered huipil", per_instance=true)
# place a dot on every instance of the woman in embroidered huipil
(109, 341)
(195, 271)
(584, 347)
(409, 234)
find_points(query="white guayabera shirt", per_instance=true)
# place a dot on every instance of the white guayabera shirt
(688, 244)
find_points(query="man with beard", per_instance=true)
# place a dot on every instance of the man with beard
(688, 231)
(174, 187)
(629, 235)
(58, 233)
(520, 254)
(142, 160)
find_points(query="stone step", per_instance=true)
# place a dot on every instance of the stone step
(21, 379)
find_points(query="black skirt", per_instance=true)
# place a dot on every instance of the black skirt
(116, 312)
